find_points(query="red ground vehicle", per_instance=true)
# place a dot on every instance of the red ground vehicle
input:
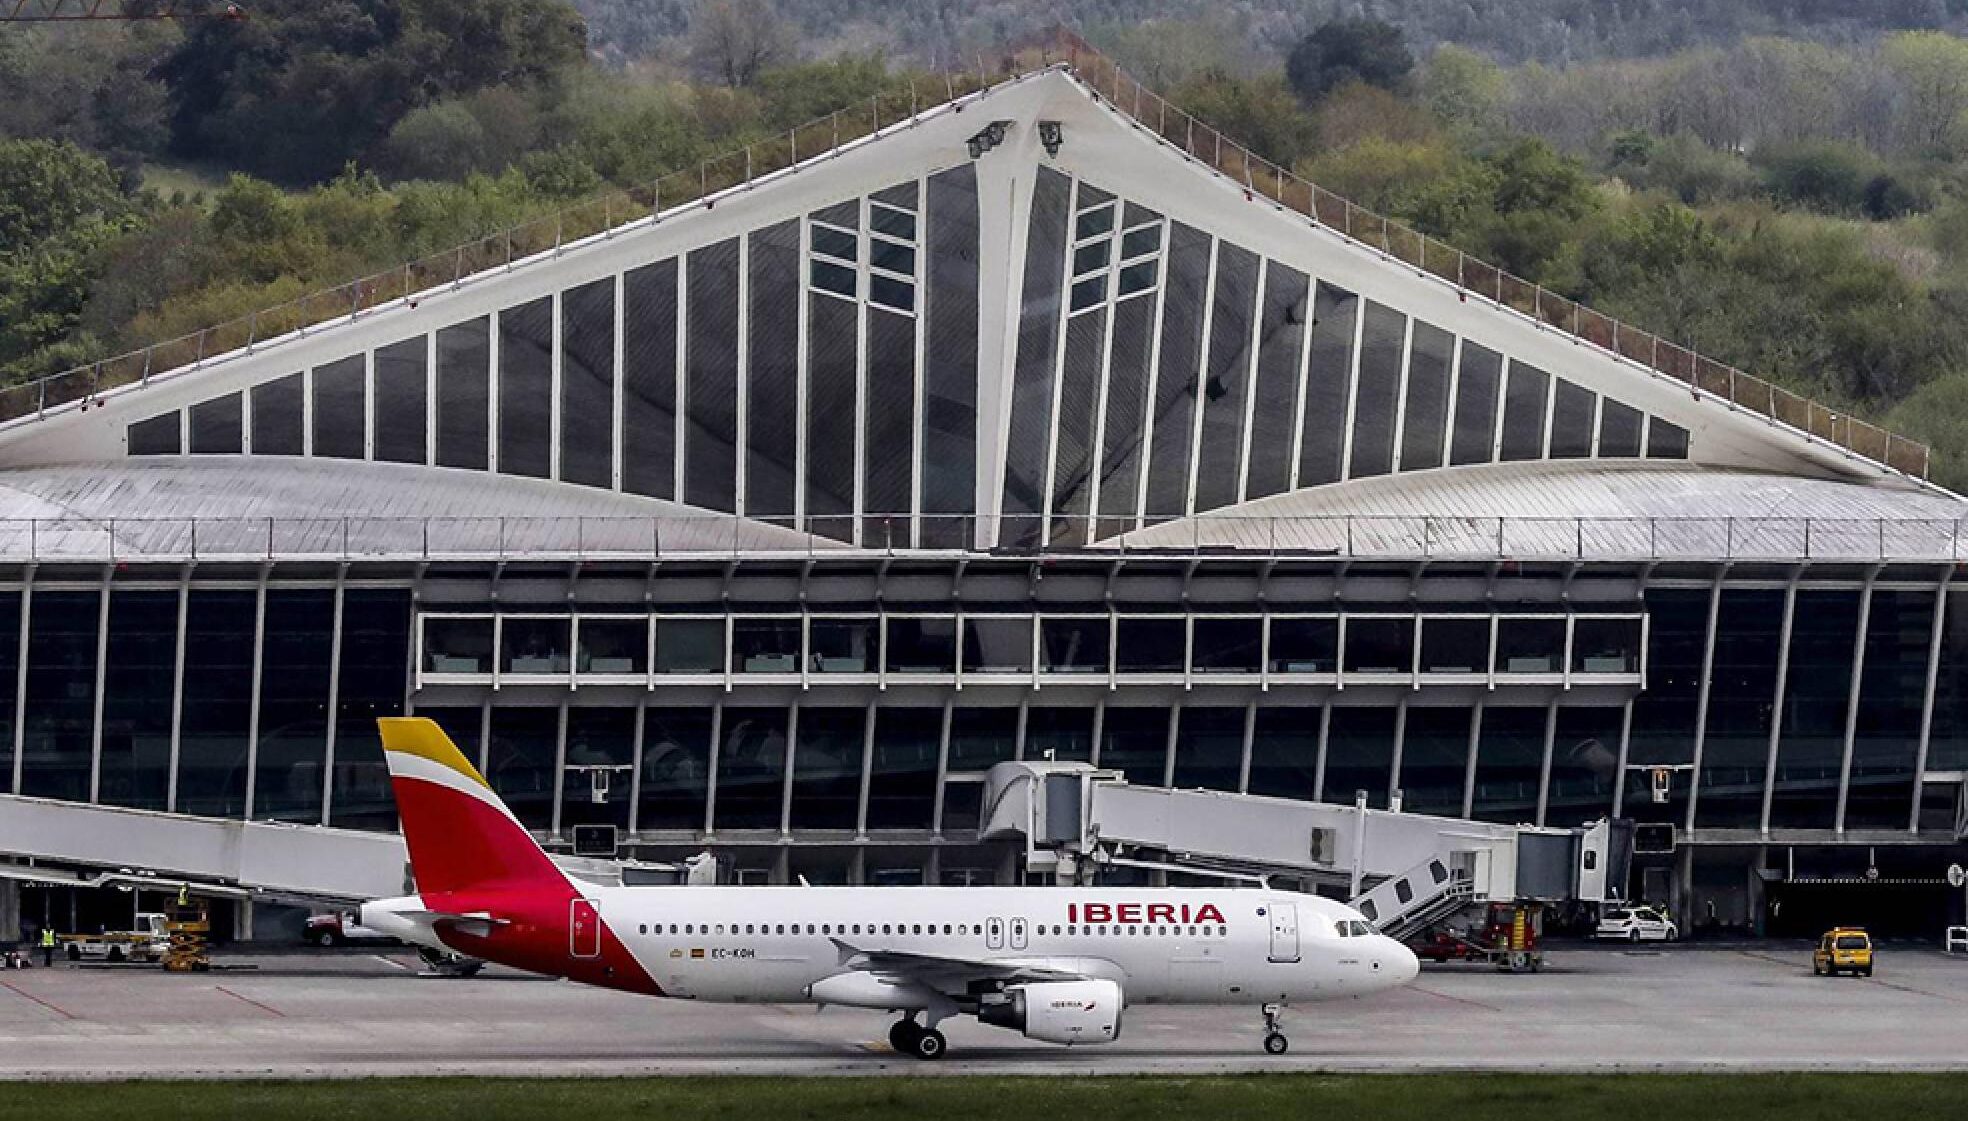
(1506, 935)
(1446, 945)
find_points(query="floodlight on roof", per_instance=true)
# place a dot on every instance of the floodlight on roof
(988, 138)
(1052, 136)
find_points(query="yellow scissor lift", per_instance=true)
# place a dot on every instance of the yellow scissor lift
(189, 926)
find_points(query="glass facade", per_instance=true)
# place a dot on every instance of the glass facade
(660, 723)
(821, 372)
(1237, 396)
(815, 334)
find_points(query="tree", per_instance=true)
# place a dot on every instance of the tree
(1931, 70)
(306, 85)
(734, 40)
(50, 187)
(1465, 89)
(59, 206)
(1259, 113)
(1348, 50)
(1824, 175)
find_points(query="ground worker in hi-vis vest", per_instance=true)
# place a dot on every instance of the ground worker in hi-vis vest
(47, 945)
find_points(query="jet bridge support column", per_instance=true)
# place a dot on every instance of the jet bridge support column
(10, 930)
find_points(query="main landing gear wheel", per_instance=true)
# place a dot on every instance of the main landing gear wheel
(1275, 1042)
(911, 1038)
(929, 1044)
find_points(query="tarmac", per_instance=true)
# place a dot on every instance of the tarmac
(356, 1013)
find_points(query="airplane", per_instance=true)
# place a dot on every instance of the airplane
(1058, 964)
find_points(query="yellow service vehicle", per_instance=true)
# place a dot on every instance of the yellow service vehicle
(145, 941)
(1843, 949)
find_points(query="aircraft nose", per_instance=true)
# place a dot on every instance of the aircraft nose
(1399, 965)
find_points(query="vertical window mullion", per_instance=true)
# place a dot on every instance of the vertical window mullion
(259, 664)
(1496, 420)
(802, 356)
(1158, 293)
(1852, 700)
(1058, 367)
(102, 675)
(1401, 393)
(334, 700)
(1455, 393)
(368, 403)
(1265, 267)
(1778, 695)
(1544, 766)
(1934, 634)
(617, 421)
(920, 322)
(1352, 394)
(1096, 449)
(1202, 377)
(1302, 389)
(865, 246)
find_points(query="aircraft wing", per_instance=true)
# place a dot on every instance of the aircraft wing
(941, 973)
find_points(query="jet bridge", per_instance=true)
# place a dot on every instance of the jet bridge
(98, 846)
(1403, 871)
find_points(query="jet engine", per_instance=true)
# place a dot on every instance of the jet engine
(1066, 1012)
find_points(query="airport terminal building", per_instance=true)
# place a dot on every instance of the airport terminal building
(1028, 426)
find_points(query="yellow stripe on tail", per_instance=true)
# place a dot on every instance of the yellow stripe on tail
(420, 736)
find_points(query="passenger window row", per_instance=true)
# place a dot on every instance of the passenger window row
(930, 929)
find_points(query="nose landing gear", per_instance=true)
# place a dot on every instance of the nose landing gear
(1275, 1042)
(911, 1038)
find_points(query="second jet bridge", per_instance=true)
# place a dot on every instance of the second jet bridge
(1403, 871)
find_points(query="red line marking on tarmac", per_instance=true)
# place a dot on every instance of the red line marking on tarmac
(1457, 999)
(55, 1008)
(262, 1007)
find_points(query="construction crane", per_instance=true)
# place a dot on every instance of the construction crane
(77, 11)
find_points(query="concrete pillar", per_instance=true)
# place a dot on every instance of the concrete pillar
(1681, 889)
(242, 921)
(1753, 880)
(10, 916)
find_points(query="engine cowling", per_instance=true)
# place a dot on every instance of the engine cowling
(1069, 1012)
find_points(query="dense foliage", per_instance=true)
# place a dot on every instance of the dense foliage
(1554, 31)
(1796, 206)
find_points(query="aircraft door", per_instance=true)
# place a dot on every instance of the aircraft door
(583, 929)
(1284, 931)
(994, 934)
(1018, 934)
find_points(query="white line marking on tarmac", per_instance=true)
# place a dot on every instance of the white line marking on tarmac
(391, 963)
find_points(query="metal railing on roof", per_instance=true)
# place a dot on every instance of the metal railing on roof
(728, 537)
(754, 163)
(1261, 177)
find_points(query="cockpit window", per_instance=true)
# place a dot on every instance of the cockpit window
(1344, 928)
(1360, 929)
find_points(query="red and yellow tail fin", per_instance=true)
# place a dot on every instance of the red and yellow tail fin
(461, 836)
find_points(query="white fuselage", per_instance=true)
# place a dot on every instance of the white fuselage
(772, 944)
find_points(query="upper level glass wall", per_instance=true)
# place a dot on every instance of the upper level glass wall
(810, 331)
(1264, 380)
(468, 647)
